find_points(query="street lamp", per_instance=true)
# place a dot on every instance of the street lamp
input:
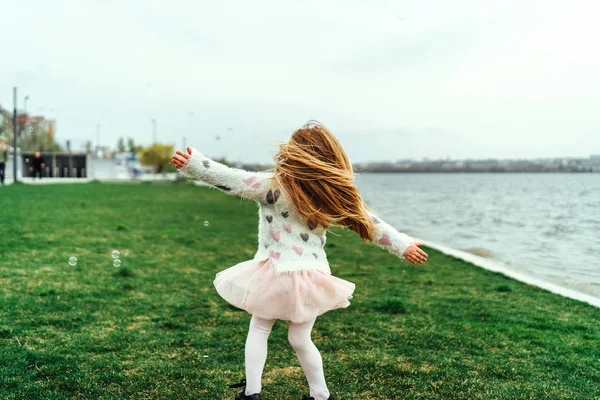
(25, 133)
(97, 139)
(190, 125)
(15, 134)
(154, 130)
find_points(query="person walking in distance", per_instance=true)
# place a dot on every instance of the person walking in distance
(38, 164)
(3, 160)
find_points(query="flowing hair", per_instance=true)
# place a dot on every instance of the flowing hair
(316, 173)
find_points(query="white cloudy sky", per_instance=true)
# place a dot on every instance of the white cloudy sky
(393, 80)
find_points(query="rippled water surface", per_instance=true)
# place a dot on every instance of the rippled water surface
(545, 225)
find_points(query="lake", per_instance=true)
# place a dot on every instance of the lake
(541, 224)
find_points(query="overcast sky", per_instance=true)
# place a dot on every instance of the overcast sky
(393, 80)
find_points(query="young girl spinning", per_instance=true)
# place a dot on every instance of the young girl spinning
(310, 189)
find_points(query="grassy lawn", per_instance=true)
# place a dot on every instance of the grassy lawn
(442, 330)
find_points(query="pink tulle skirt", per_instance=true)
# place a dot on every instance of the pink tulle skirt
(296, 296)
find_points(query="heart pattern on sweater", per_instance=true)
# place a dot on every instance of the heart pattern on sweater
(252, 182)
(272, 196)
(298, 250)
(285, 214)
(385, 240)
(275, 254)
(274, 234)
(322, 241)
(206, 164)
(375, 220)
(270, 218)
(288, 228)
(316, 256)
(304, 236)
(311, 225)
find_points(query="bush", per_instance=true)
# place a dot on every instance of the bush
(159, 156)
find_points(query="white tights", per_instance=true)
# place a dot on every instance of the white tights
(299, 338)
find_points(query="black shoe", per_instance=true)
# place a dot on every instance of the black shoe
(241, 395)
(306, 397)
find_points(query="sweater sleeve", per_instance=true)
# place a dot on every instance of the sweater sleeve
(387, 237)
(233, 181)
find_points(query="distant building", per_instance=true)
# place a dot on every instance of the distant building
(46, 125)
(4, 115)
(5, 125)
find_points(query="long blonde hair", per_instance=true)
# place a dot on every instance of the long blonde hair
(316, 173)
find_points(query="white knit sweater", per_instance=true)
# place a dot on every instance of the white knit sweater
(283, 236)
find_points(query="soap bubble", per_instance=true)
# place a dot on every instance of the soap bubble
(206, 223)
(27, 160)
(116, 263)
(73, 261)
(115, 254)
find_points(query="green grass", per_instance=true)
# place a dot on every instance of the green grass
(441, 330)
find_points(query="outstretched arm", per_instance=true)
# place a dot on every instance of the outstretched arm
(233, 181)
(397, 243)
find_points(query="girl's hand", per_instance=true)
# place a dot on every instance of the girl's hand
(415, 254)
(180, 159)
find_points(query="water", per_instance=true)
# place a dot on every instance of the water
(543, 225)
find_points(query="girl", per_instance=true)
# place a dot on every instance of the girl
(310, 188)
